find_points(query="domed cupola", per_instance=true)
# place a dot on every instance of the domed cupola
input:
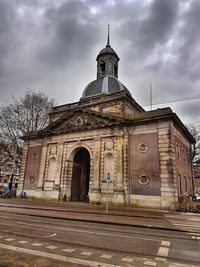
(107, 74)
(107, 61)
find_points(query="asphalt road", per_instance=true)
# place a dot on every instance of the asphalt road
(75, 234)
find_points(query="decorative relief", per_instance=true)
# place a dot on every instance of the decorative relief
(84, 121)
(109, 144)
(143, 179)
(79, 142)
(32, 179)
(34, 156)
(53, 150)
(142, 148)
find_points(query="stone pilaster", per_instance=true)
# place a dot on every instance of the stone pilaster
(168, 192)
(119, 164)
(96, 166)
(23, 168)
(59, 162)
(126, 177)
(42, 166)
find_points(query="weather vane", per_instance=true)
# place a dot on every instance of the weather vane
(108, 28)
(108, 40)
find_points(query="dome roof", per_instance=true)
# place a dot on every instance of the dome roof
(108, 50)
(104, 85)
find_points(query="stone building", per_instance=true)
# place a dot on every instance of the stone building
(106, 144)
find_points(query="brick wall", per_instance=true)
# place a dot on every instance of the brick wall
(32, 167)
(144, 163)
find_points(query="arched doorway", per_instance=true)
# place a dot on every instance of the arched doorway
(80, 175)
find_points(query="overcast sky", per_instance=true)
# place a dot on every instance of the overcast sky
(51, 46)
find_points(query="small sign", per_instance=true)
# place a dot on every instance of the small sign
(154, 174)
(108, 178)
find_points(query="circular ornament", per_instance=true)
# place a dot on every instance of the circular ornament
(143, 179)
(142, 148)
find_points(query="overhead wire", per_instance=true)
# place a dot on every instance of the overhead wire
(173, 101)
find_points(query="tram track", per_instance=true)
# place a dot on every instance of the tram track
(99, 247)
(93, 226)
(101, 210)
(60, 242)
(100, 217)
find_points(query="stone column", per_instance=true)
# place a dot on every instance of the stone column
(23, 168)
(168, 192)
(63, 172)
(96, 165)
(119, 164)
(42, 166)
(126, 180)
(59, 162)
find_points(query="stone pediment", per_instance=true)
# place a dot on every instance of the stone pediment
(80, 120)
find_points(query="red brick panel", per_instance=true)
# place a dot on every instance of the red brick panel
(32, 167)
(146, 163)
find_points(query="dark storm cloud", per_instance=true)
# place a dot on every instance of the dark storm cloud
(188, 63)
(8, 36)
(153, 28)
(51, 46)
(71, 31)
(188, 112)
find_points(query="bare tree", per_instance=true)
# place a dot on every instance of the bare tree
(194, 129)
(22, 116)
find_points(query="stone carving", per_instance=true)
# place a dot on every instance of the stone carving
(53, 150)
(109, 144)
(32, 179)
(79, 142)
(84, 121)
(34, 156)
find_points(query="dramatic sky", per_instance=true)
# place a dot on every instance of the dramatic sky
(51, 46)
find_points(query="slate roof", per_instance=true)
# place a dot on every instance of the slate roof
(104, 85)
(108, 50)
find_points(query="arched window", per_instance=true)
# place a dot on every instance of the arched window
(179, 184)
(186, 187)
(103, 67)
(116, 70)
(177, 151)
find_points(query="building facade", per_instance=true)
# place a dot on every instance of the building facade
(107, 145)
(8, 167)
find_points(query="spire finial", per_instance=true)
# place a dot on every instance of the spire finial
(108, 40)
